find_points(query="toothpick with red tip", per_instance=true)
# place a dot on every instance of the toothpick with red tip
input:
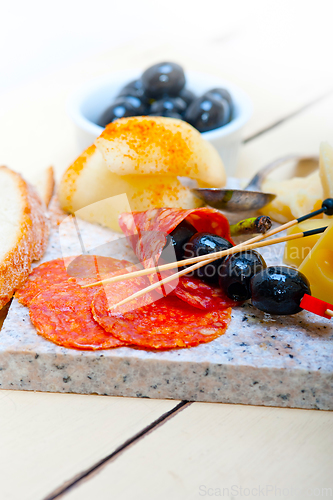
(317, 306)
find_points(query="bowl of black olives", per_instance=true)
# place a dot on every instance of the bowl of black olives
(215, 107)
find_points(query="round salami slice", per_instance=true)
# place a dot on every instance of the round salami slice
(84, 268)
(43, 276)
(201, 295)
(62, 314)
(90, 268)
(166, 323)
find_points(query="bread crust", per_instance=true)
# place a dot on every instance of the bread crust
(44, 184)
(31, 241)
(49, 185)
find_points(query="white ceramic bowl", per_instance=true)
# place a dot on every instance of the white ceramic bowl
(88, 103)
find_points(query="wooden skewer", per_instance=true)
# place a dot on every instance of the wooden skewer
(187, 270)
(172, 265)
(203, 259)
(326, 207)
(329, 312)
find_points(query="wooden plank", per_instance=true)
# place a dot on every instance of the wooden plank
(37, 131)
(38, 430)
(47, 439)
(301, 134)
(209, 447)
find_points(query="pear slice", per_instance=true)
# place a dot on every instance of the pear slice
(88, 181)
(146, 145)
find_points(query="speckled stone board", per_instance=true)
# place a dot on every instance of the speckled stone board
(260, 360)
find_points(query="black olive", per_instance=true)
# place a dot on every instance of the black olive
(173, 104)
(176, 240)
(135, 89)
(165, 78)
(135, 101)
(228, 105)
(135, 85)
(203, 244)
(140, 100)
(207, 113)
(279, 290)
(168, 114)
(236, 273)
(220, 93)
(187, 95)
(122, 107)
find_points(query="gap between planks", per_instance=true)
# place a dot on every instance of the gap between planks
(288, 117)
(88, 473)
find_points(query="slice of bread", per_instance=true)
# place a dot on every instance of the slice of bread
(24, 231)
(44, 185)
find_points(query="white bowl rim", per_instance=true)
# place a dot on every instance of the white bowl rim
(77, 99)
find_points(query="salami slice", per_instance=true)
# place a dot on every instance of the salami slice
(147, 230)
(90, 268)
(166, 323)
(43, 276)
(147, 233)
(84, 268)
(62, 314)
(198, 294)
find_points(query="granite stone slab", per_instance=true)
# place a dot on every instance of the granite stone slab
(260, 360)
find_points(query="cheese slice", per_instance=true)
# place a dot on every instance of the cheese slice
(326, 168)
(295, 251)
(318, 267)
(295, 197)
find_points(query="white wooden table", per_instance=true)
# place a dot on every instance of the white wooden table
(94, 447)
